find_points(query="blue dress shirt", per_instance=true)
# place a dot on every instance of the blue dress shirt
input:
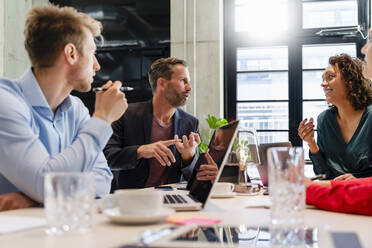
(35, 141)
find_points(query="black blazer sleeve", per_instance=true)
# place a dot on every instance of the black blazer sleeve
(128, 135)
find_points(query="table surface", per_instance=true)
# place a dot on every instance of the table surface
(250, 210)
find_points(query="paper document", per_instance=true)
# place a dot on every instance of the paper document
(10, 223)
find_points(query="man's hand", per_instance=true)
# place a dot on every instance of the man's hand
(110, 104)
(187, 147)
(345, 177)
(18, 200)
(158, 150)
(207, 171)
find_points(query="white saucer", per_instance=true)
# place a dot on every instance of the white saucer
(115, 216)
(224, 195)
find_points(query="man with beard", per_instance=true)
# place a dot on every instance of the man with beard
(155, 142)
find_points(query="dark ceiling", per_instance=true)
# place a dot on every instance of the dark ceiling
(136, 33)
(140, 23)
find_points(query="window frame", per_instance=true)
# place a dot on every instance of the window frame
(294, 39)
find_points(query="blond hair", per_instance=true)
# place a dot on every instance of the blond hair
(49, 28)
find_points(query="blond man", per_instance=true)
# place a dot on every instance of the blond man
(42, 127)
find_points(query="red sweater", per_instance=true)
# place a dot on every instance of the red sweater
(352, 196)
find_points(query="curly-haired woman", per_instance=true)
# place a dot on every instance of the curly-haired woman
(348, 127)
(344, 146)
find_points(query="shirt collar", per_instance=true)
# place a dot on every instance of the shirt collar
(33, 94)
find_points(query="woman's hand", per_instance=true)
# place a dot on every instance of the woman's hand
(325, 183)
(345, 177)
(306, 133)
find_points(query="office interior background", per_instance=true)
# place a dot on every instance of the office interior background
(259, 61)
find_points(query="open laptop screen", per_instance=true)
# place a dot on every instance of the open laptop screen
(263, 167)
(219, 148)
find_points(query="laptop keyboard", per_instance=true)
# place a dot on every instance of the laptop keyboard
(174, 199)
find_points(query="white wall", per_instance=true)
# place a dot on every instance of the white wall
(196, 36)
(13, 56)
(1, 38)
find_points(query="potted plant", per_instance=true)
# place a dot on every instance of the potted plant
(213, 123)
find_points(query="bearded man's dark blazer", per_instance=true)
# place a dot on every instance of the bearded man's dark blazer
(131, 131)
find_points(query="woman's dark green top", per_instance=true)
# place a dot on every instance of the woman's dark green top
(335, 157)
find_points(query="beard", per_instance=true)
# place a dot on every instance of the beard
(174, 98)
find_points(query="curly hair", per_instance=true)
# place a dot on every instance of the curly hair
(359, 89)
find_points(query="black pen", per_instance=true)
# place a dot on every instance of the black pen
(320, 176)
(123, 88)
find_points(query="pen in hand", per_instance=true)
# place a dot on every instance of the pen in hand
(320, 176)
(123, 88)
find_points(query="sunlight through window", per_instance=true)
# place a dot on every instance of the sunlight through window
(261, 18)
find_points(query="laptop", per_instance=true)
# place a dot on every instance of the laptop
(263, 167)
(199, 191)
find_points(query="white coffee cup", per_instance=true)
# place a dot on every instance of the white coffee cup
(223, 188)
(137, 201)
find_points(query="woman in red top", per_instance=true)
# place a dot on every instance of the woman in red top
(348, 195)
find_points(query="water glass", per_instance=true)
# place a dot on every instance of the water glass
(287, 193)
(248, 155)
(69, 201)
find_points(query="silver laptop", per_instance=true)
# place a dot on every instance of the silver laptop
(263, 167)
(200, 191)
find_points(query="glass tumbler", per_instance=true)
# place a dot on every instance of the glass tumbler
(69, 202)
(287, 193)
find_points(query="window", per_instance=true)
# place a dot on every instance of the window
(247, 12)
(275, 54)
(262, 91)
(318, 14)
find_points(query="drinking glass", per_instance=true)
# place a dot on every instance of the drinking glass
(69, 202)
(247, 150)
(287, 193)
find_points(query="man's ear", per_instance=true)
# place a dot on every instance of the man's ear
(70, 53)
(161, 83)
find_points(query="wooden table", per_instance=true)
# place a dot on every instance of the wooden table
(247, 209)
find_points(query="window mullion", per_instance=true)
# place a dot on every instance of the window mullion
(294, 91)
(230, 76)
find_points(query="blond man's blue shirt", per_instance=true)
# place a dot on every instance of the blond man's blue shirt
(35, 141)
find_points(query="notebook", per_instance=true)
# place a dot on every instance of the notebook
(199, 191)
(10, 223)
(263, 167)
